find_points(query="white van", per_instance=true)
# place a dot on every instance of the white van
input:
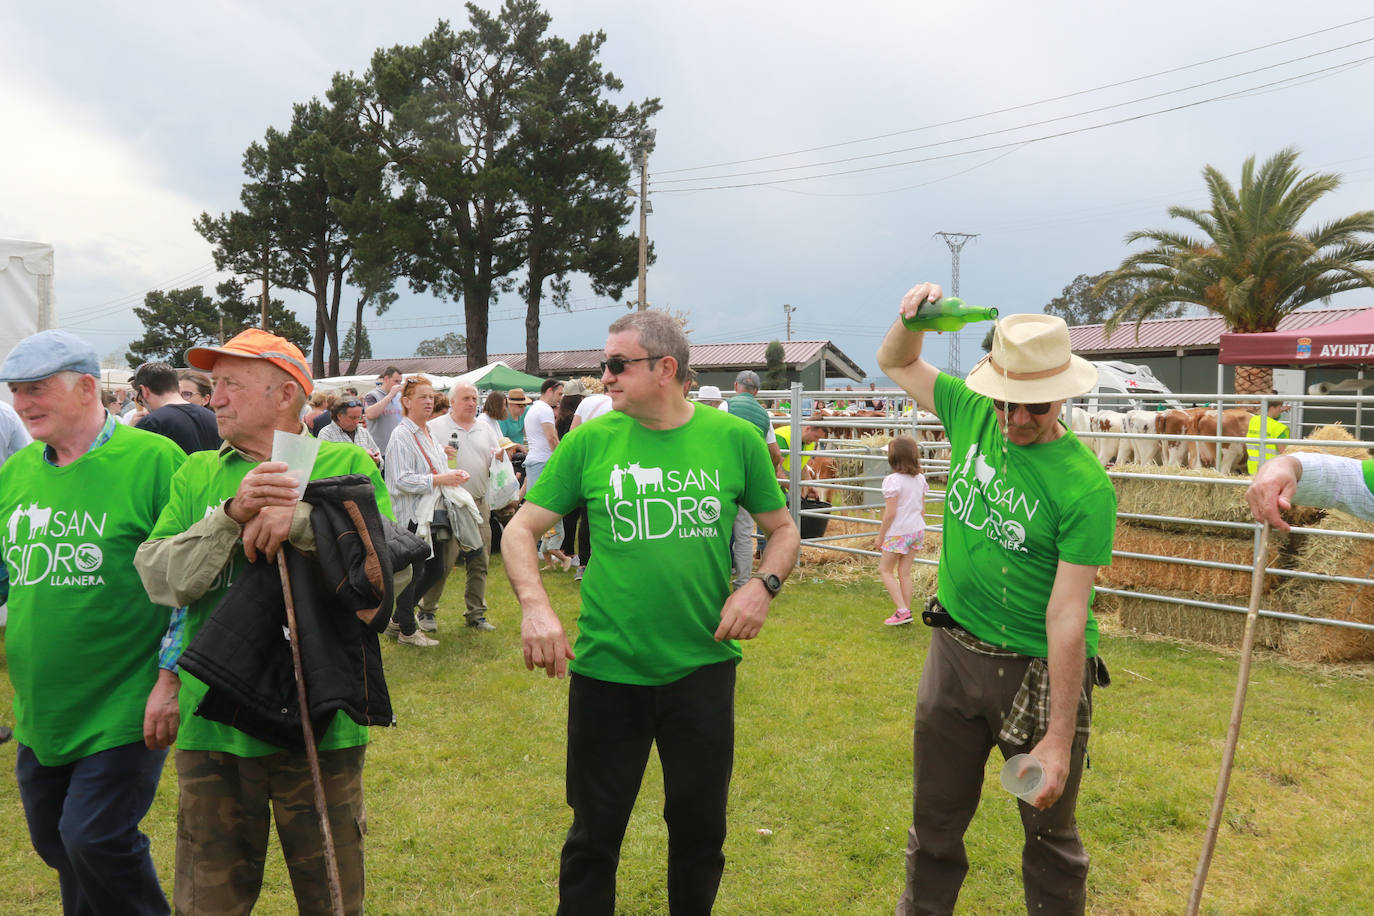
(1125, 386)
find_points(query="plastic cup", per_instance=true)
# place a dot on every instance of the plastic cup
(1024, 786)
(299, 454)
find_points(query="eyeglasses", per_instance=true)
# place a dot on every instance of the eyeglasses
(617, 364)
(1038, 410)
(349, 405)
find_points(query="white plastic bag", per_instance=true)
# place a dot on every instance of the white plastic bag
(502, 487)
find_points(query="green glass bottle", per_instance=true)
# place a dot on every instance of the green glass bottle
(949, 314)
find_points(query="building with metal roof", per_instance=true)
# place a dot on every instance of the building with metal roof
(809, 361)
(1182, 352)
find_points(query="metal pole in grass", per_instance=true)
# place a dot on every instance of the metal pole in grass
(1228, 756)
(331, 862)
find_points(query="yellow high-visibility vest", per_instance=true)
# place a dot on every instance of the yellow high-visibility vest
(783, 446)
(1273, 431)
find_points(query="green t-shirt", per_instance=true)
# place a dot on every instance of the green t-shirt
(513, 428)
(661, 504)
(747, 407)
(204, 484)
(1011, 514)
(83, 637)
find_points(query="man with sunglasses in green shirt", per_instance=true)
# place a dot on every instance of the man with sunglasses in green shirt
(658, 631)
(1029, 516)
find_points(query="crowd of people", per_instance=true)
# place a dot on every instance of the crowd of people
(169, 568)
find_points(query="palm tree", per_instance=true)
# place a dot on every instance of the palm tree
(1251, 265)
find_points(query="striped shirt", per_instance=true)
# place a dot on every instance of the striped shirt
(412, 460)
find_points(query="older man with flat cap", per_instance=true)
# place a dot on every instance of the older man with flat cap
(1029, 517)
(228, 506)
(82, 640)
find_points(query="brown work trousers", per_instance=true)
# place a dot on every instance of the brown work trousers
(222, 824)
(960, 705)
(475, 564)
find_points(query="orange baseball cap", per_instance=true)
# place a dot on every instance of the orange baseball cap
(256, 343)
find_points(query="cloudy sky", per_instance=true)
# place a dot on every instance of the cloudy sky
(807, 152)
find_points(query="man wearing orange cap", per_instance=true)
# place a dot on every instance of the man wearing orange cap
(227, 507)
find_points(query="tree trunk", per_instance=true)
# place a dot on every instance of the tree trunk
(357, 339)
(533, 295)
(321, 324)
(334, 323)
(1254, 379)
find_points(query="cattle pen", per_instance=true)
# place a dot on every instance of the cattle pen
(1186, 543)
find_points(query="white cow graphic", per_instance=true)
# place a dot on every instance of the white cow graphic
(646, 477)
(38, 520)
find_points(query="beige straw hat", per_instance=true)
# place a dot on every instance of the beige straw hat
(1031, 363)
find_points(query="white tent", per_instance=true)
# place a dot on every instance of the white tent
(26, 295)
(26, 298)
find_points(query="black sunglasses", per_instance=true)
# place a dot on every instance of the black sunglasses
(349, 405)
(617, 365)
(1038, 410)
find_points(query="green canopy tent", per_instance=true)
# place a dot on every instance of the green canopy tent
(498, 376)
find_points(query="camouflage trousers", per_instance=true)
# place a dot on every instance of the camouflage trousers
(222, 824)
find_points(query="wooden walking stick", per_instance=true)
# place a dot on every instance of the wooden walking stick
(1228, 756)
(331, 862)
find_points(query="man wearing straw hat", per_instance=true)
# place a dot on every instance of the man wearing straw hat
(227, 507)
(1029, 516)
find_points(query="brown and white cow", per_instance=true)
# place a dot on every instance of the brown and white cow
(1234, 422)
(1109, 451)
(1173, 423)
(1144, 450)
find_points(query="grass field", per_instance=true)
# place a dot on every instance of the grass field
(466, 811)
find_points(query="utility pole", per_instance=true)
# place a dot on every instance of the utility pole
(788, 310)
(644, 210)
(956, 242)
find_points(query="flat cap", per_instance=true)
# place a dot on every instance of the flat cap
(47, 353)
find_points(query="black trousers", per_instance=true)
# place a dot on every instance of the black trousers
(610, 730)
(424, 574)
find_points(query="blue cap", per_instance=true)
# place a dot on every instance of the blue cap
(48, 353)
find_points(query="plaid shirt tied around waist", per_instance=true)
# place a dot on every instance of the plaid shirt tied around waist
(1029, 717)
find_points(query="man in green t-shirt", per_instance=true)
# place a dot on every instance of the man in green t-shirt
(82, 638)
(660, 478)
(1029, 516)
(227, 507)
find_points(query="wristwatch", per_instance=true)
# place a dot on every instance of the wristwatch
(770, 582)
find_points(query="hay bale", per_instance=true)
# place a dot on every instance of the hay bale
(1334, 600)
(1194, 624)
(1154, 575)
(1196, 495)
(1336, 432)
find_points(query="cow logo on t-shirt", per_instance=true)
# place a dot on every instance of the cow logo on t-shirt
(650, 503)
(55, 546)
(986, 501)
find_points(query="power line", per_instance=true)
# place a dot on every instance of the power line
(1025, 105)
(1026, 126)
(1064, 133)
(510, 315)
(111, 306)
